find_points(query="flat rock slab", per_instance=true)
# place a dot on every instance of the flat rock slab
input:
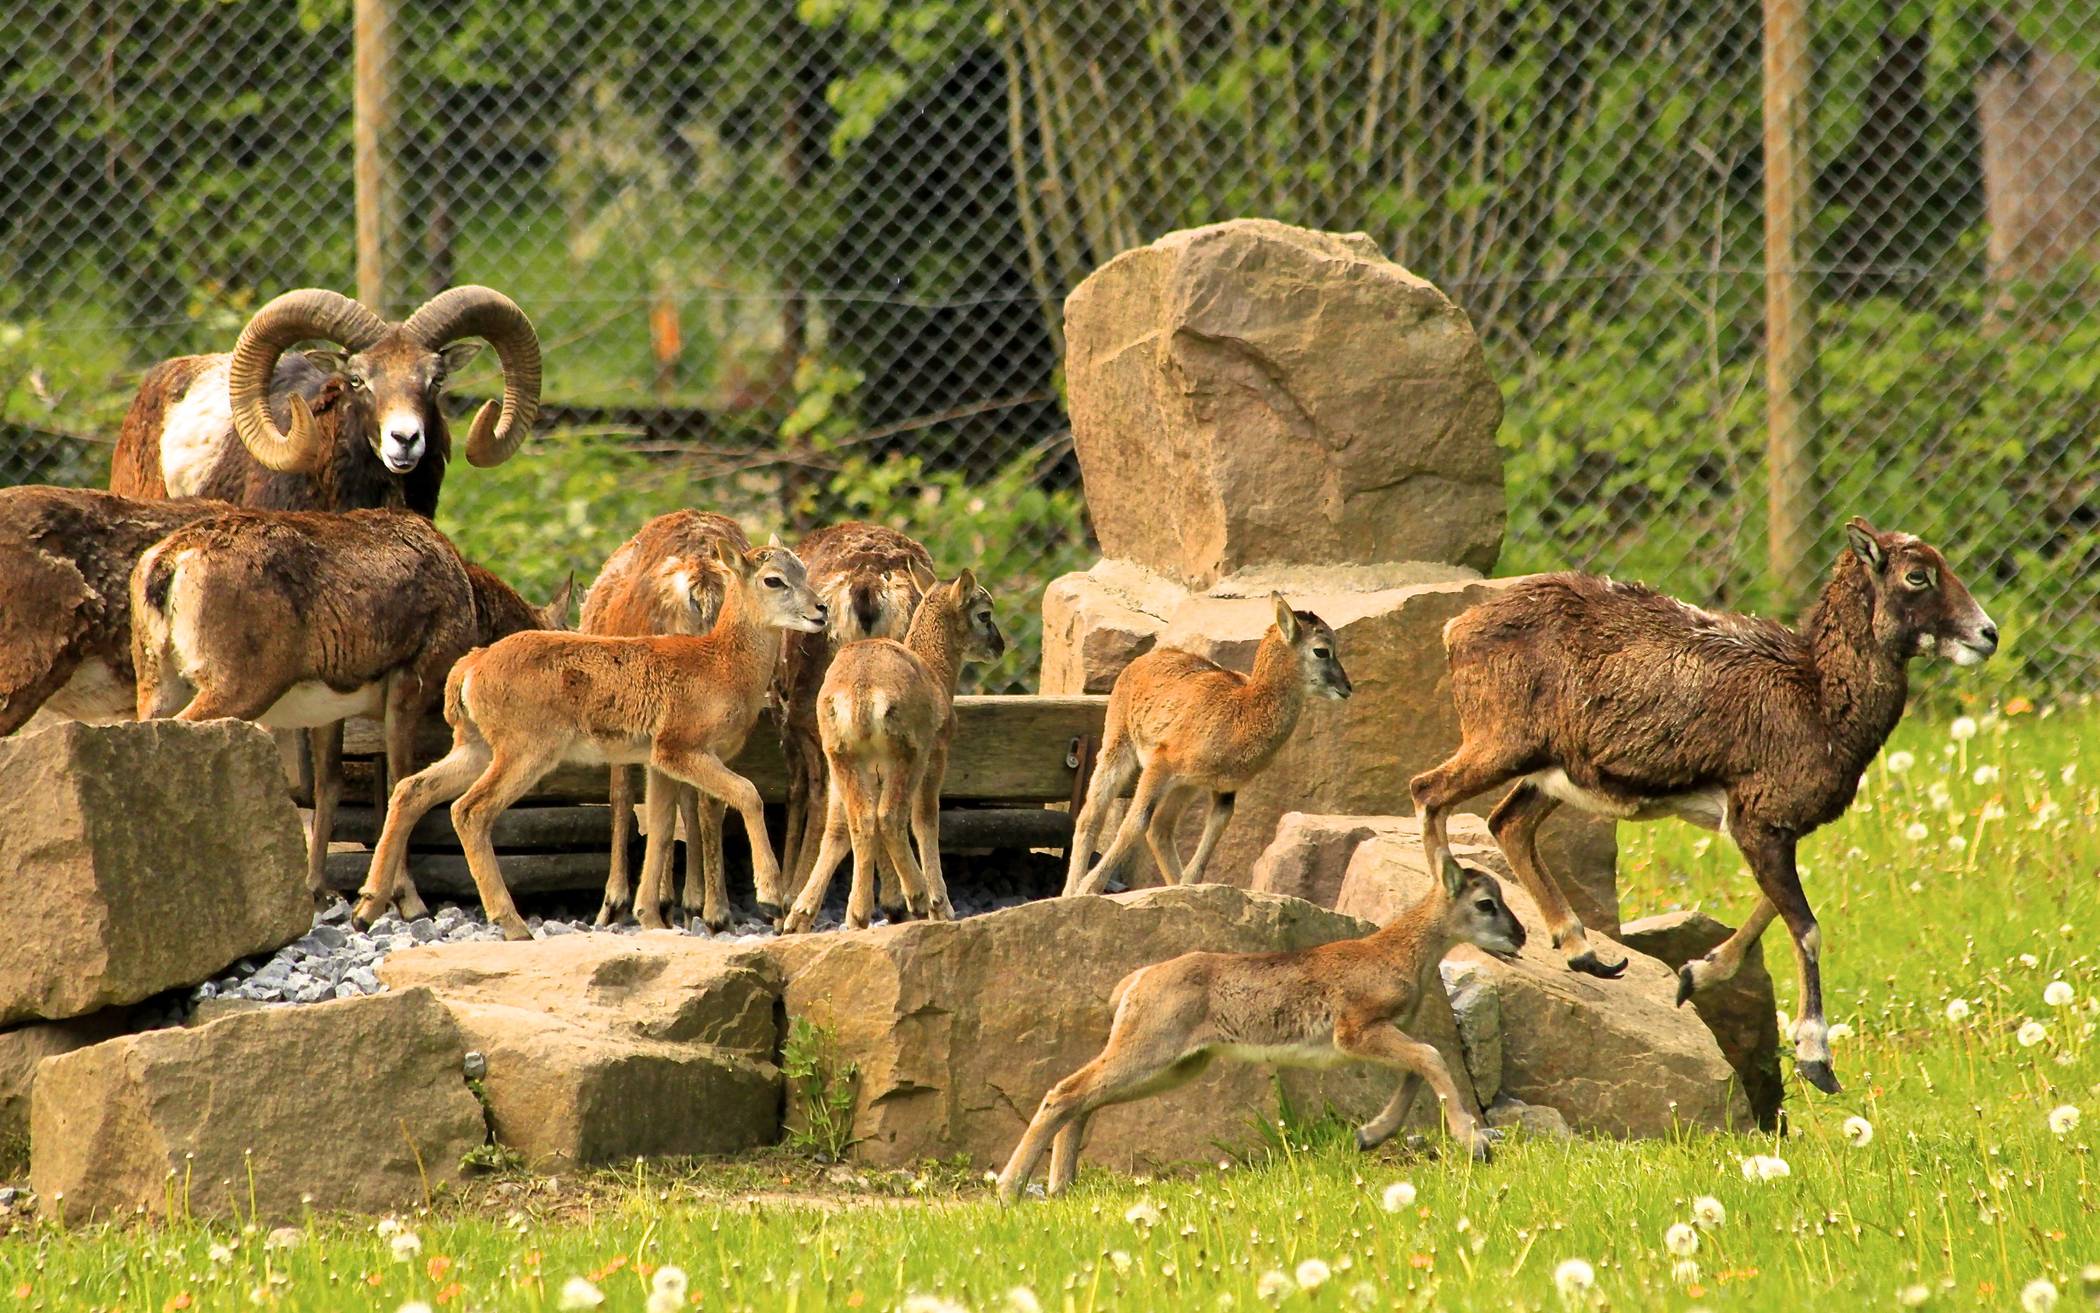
(1251, 392)
(359, 1105)
(1351, 758)
(1742, 1013)
(602, 1048)
(958, 1029)
(23, 1047)
(138, 858)
(1613, 1057)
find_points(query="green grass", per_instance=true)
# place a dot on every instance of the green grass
(1963, 1190)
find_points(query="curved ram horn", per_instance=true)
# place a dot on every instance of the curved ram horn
(487, 313)
(309, 313)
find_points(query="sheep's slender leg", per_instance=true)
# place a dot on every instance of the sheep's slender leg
(508, 777)
(619, 895)
(326, 744)
(1114, 770)
(659, 815)
(1770, 852)
(1159, 835)
(926, 830)
(1220, 815)
(441, 781)
(1144, 800)
(833, 851)
(705, 771)
(714, 891)
(1726, 958)
(404, 712)
(1382, 1127)
(1122, 1072)
(893, 811)
(1515, 825)
(1383, 1043)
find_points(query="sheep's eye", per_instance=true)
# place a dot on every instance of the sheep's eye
(357, 382)
(1322, 652)
(1917, 578)
(774, 581)
(1486, 904)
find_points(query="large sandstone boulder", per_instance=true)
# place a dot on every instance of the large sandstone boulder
(359, 1104)
(1741, 1013)
(1251, 392)
(22, 1048)
(603, 1048)
(1354, 757)
(1613, 1057)
(958, 1029)
(136, 858)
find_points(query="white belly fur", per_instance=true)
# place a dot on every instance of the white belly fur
(94, 694)
(1706, 808)
(195, 430)
(1284, 1055)
(311, 703)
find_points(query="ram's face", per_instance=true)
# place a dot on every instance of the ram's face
(393, 388)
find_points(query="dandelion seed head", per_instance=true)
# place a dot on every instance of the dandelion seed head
(1914, 1295)
(1312, 1274)
(1708, 1212)
(1143, 1214)
(2030, 1034)
(578, 1293)
(1916, 832)
(1984, 775)
(1681, 1240)
(2063, 1119)
(1574, 1278)
(1900, 762)
(1398, 1195)
(1957, 1010)
(1021, 1299)
(1839, 1032)
(405, 1245)
(1963, 729)
(2038, 1295)
(1858, 1132)
(2058, 994)
(1273, 1287)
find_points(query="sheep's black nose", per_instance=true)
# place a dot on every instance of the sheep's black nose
(1989, 634)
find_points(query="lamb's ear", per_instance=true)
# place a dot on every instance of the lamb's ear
(923, 578)
(773, 540)
(729, 558)
(1866, 544)
(1286, 622)
(966, 583)
(1454, 876)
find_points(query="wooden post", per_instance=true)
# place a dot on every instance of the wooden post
(374, 130)
(1792, 502)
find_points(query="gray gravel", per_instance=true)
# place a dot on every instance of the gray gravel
(333, 960)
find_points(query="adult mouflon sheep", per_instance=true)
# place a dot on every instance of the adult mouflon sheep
(1629, 704)
(361, 426)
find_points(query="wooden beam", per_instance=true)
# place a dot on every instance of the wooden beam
(1792, 502)
(1007, 750)
(375, 50)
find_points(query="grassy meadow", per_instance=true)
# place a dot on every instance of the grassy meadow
(1960, 902)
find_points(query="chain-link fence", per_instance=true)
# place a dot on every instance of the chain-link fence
(802, 258)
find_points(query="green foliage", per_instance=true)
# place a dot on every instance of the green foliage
(1640, 450)
(821, 1091)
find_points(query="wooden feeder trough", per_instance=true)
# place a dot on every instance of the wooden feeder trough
(1013, 756)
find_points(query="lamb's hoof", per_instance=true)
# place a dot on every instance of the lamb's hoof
(795, 923)
(1365, 1142)
(1589, 964)
(897, 913)
(364, 914)
(1821, 1076)
(769, 913)
(609, 912)
(517, 931)
(714, 925)
(1685, 984)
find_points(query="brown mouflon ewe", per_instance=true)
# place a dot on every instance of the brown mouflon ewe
(1178, 723)
(864, 574)
(66, 556)
(1350, 1000)
(301, 619)
(886, 715)
(664, 580)
(683, 704)
(363, 425)
(1629, 704)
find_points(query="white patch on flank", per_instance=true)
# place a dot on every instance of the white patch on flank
(195, 430)
(1811, 1041)
(94, 694)
(310, 703)
(1707, 808)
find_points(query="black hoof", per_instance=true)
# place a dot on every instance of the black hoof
(1589, 964)
(1363, 1142)
(1821, 1076)
(360, 923)
(1684, 984)
(769, 912)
